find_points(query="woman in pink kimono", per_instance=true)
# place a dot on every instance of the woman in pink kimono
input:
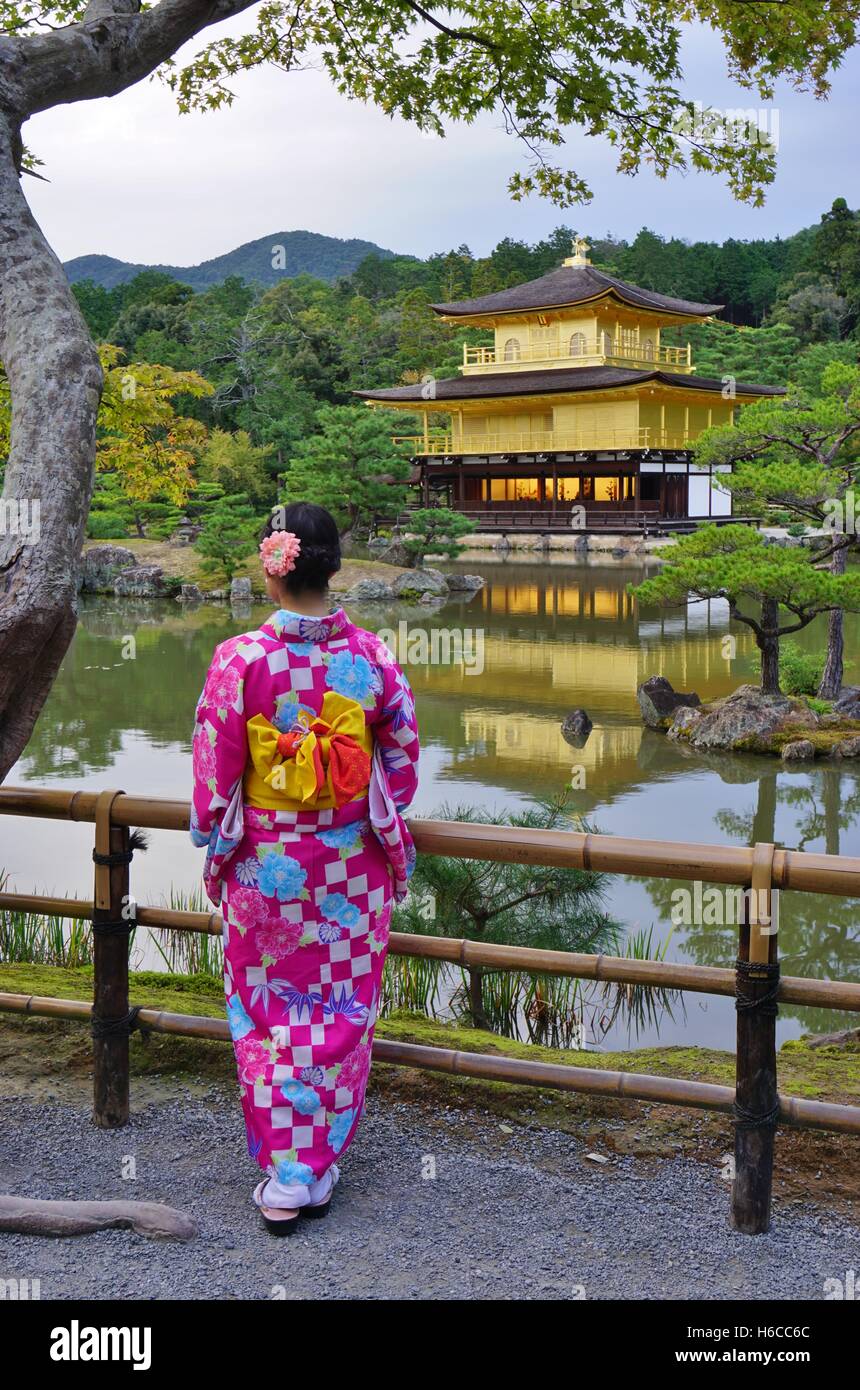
(305, 754)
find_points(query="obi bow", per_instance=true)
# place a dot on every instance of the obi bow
(320, 761)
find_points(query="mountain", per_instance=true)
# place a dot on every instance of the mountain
(261, 261)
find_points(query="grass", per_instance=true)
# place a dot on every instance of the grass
(31, 936)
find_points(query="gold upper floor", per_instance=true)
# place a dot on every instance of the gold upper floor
(595, 337)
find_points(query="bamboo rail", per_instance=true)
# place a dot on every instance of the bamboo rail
(618, 1085)
(842, 995)
(755, 982)
(796, 869)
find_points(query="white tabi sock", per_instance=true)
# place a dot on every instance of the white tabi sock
(296, 1194)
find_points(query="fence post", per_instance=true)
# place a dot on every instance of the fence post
(756, 1095)
(111, 1019)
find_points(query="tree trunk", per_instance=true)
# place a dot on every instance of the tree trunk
(768, 644)
(55, 382)
(476, 997)
(832, 675)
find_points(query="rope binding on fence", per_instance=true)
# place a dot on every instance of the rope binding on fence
(757, 972)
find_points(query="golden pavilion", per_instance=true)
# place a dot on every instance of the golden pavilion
(577, 405)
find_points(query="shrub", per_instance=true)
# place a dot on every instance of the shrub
(104, 526)
(799, 670)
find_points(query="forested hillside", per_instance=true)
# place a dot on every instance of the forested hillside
(213, 397)
(262, 262)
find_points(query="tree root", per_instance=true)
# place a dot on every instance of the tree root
(27, 1216)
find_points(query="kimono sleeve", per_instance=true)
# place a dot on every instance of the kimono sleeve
(396, 733)
(220, 746)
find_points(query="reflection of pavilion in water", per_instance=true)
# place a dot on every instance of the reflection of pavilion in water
(535, 598)
(607, 666)
(552, 647)
(516, 749)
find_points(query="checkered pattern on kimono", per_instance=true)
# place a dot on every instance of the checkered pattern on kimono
(303, 1035)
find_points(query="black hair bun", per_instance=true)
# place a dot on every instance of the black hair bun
(319, 557)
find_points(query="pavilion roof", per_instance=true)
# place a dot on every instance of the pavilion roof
(552, 381)
(570, 285)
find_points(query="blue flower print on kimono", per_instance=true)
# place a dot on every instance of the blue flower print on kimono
(238, 1018)
(351, 674)
(338, 909)
(288, 1170)
(280, 876)
(339, 1129)
(199, 838)
(300, 1097)
(347, 839)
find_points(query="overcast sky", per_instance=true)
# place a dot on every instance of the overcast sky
(133, 179)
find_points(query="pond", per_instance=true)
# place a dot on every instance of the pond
(547, 637)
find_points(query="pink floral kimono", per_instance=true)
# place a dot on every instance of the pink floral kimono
(305, 753)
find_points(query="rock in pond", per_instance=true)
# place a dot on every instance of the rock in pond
(189, 593)
(100, 566)
(415, 583)
(798, 751)
(658, 701)
(240, 590)
(370, 591)
(576, 726)
(142, 581)
(684, 718)
(847, 748)
(464, 583)
(749, 719)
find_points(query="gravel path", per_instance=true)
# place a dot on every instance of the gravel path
(520, 1215)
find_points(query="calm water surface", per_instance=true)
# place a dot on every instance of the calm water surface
(555, 636)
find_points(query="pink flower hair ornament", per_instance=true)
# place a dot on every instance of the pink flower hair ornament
(279, 552)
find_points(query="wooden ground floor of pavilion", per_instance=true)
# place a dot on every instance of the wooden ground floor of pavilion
(584, 490)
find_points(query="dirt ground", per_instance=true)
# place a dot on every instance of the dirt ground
(49, 1061)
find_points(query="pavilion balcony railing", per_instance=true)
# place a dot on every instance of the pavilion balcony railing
(543, 441)
(753, 979)
(585, 353)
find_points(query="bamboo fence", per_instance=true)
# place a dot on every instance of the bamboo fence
(754, 1103)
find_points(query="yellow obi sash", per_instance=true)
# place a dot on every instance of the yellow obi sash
(321, 762)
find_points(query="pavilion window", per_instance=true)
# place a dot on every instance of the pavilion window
(577, 345)
(527, 489)
(607, 489)
(514, 490)
(512, 350)
(566, 490)
(607, 345)
(648, 349)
